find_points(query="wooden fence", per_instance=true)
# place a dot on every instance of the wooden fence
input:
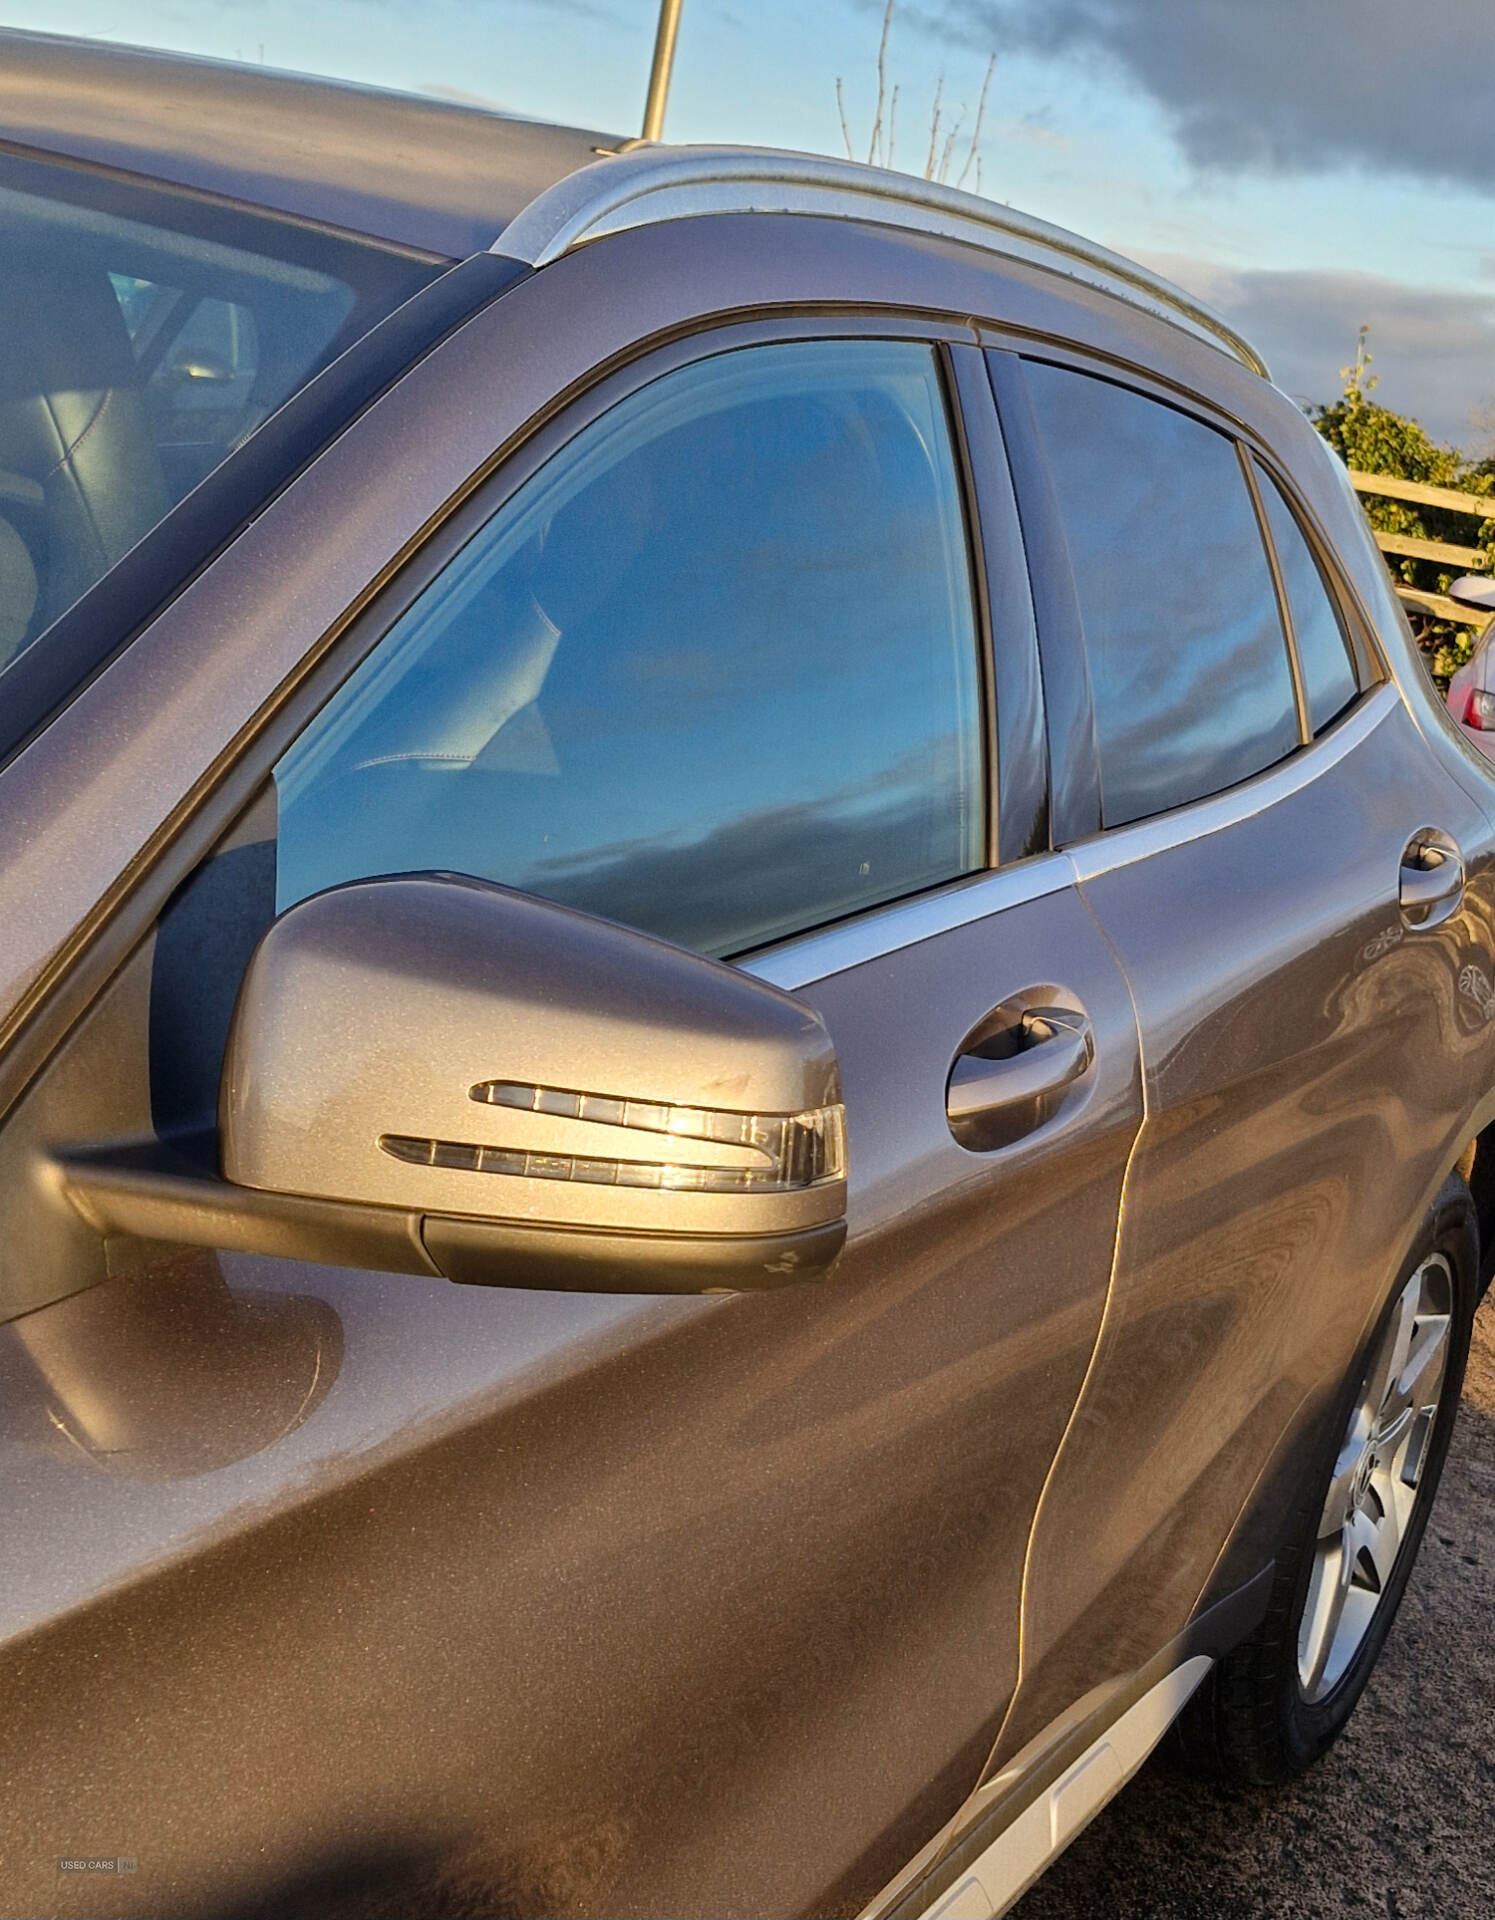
(1466, 559)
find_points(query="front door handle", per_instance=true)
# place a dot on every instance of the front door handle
(1431, 881)
(1047, 1049)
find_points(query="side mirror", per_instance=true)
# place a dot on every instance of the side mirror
(1474, 590)
(434, 1075)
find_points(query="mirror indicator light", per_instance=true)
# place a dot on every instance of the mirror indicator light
(791, 1151)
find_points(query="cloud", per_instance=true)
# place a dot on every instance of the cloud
(1434, 350)
(1034, 130)
(1281, 85)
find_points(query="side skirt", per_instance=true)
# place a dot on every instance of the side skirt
(1022, 1818)
(1015, 1859)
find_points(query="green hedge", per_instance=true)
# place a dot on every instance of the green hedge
(1373, 439)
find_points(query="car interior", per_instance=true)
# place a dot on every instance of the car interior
(540, 716)
(138, 357)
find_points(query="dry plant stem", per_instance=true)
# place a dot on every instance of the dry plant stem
(973, 154)
(948, 150)
(874, 146)
(943, 152)
(841, 108)
(934, 127)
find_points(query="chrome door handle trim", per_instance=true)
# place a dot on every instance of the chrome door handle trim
(1058, 1046)
(1428, 886)
(1431, 878)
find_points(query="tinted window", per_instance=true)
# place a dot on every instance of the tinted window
(143, 335)
(1188, 663)
(1328, 676)
(711, 672)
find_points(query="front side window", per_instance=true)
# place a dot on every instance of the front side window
(144, 334)
(1188, 662)
(712, 671)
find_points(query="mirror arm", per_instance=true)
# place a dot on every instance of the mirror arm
(146, 1190)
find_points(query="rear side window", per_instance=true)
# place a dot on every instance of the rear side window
(712, 671)
(1329, 683)
(1188, 663)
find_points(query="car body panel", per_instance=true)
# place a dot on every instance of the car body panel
(616, 1577)
(428, 174)
(1271, 994)
(619, 1574)
(1307, 1080)
(539, 1603)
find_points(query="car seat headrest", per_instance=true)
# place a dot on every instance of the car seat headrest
(18, 593)
(73, 423)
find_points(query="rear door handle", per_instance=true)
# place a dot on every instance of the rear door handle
(1052, 1046)
(1431, 881)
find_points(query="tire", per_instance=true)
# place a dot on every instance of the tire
(1281, 1699)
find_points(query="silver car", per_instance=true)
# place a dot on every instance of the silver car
(747, 1025)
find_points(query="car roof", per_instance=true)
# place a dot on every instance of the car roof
(426, 174)
(447, 180)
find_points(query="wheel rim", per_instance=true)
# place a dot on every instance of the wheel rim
(1377, 1476)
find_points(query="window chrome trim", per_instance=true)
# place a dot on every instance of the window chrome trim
(1122, 846)
(906, 923)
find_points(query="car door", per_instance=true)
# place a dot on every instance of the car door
(1297, 892)
(556, 1602)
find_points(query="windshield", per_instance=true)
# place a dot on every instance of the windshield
(144, 334)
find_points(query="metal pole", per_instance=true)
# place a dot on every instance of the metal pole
(664, 59)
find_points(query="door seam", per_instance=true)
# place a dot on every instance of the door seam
(1095, 1351)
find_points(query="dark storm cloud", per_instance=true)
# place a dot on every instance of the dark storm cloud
(1434, 351)
(1290, 85)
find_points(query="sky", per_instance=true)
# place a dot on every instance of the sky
(1308, 166)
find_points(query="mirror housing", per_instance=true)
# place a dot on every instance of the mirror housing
(1475, 590)
(433, 1074)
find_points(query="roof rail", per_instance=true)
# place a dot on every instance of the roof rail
(643, 183)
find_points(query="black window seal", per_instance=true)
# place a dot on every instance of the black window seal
(1279, 588)
(1064, 666)
(102, 623)
(1017, 751)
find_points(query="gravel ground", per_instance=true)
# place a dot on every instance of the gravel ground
(1399, 1819)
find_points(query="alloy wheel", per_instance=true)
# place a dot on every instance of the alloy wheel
(1377, 1475)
